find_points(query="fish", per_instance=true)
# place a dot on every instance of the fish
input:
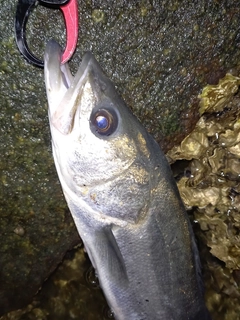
(122, 196)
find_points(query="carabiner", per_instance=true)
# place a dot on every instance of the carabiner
(70, 13)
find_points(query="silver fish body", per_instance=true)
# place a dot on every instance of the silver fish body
(122, 196)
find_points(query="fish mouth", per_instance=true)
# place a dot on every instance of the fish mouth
(62, 88)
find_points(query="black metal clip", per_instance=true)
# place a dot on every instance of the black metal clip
(69, 9)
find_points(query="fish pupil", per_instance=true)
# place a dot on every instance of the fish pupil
(102, 122)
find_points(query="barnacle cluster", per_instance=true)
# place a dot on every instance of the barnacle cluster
(210, 187)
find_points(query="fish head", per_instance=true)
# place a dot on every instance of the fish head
(95, 136)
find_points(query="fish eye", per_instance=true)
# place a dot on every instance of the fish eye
(103, 122)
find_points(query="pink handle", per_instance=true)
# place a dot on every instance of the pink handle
(70, 13)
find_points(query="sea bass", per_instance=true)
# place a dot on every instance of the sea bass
(122, 196)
